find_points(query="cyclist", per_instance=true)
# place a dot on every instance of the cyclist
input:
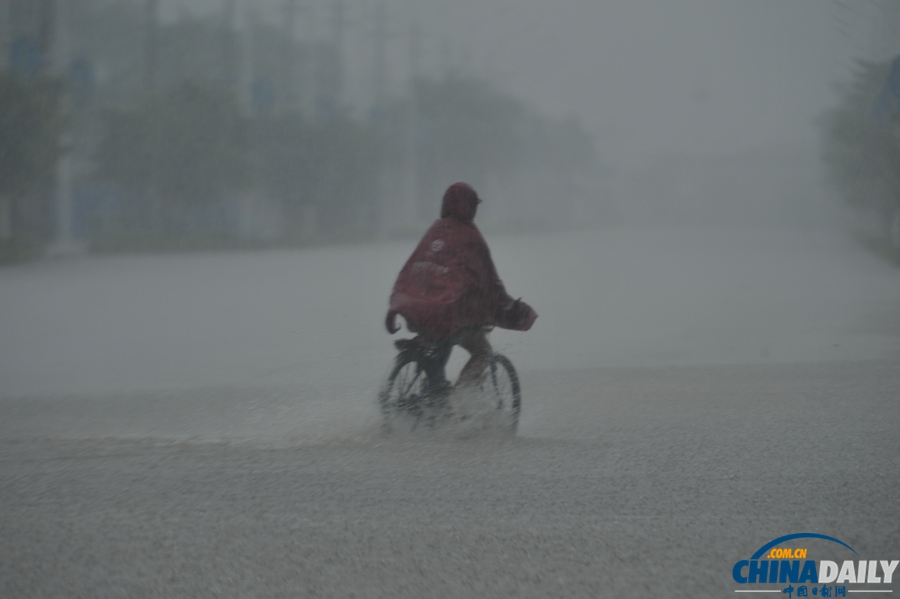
(449, 288)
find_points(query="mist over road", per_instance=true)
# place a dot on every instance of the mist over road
(205, 425)
(615, 297)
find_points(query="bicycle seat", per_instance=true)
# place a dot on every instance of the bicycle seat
(418, 342)
(407, 344)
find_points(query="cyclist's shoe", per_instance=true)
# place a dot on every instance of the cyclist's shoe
(441, 391)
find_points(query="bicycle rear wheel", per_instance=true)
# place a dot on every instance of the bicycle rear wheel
(504, 391)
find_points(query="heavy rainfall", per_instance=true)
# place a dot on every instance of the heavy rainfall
(205, 205)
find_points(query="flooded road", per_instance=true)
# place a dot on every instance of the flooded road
(205, 425)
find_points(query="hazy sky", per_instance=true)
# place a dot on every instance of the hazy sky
(647, 76)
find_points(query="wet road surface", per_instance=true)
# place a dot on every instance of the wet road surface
(145, 451)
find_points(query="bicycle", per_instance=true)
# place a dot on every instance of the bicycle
(417, 388)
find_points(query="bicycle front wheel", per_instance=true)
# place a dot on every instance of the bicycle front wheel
(405, 396)
(505, 393)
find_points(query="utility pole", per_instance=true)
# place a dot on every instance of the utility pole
(152, 203)
(338, 53)
(229, 45)
(308, 78)
(151, 43)
(46, 26)
(246, 62)
(892, 27)
(413, 207)
(379, 69)
(377, 208)
(288, 69)
(5, 40)
(54, 36)
(5, 34)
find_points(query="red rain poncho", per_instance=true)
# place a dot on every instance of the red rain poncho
(450, 281)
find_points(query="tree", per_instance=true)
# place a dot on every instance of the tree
(467, 129)
(862, 156)
(177, 151)
(31, 125)
(325, 175)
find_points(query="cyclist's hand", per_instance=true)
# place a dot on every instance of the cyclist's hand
(518, 315)
(390, 322)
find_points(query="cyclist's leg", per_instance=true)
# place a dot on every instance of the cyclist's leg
(475, 342)
(443, 355)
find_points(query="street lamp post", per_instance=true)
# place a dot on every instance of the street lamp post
(56, 43)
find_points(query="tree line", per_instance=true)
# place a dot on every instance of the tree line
(180, 159)
(861, 143)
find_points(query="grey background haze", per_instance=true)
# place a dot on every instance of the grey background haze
(699, 76)
(702, 111)
(206, 424)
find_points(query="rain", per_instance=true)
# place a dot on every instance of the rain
(205, 205)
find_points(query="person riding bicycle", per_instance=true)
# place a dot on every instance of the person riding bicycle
(449, 289)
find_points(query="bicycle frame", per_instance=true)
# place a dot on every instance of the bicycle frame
(430, 356)
(427, 401)
(431, 360)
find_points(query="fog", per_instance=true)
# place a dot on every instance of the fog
(287, 122)
(192, 294)
(311, 320)
(693, 83)
(703, 77)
